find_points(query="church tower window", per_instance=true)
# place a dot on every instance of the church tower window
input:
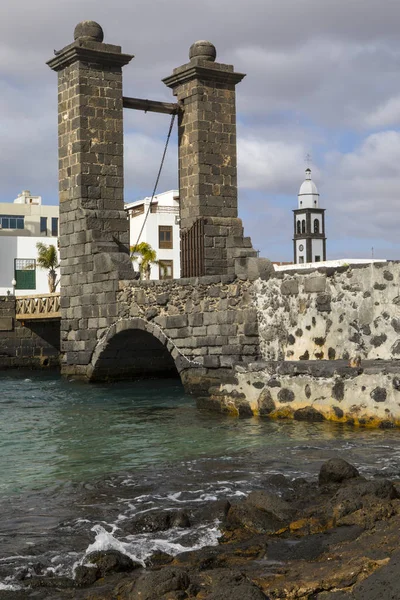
(316, 226)
(303, 226)
(298, 227)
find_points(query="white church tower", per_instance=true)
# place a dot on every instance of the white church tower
(309, 224)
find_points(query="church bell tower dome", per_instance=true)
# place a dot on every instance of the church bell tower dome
(308, 196)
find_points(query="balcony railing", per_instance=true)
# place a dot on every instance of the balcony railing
(43, 306)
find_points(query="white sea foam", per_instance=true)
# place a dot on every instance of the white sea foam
(178, 540)
(9, 586)
(106, 541)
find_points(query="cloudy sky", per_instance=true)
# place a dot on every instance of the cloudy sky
(323, 78)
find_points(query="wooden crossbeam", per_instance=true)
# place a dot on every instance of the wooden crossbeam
(167, 108)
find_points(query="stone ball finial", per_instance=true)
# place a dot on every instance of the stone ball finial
(89, 30)
(203, 49)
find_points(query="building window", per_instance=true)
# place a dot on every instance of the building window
(317, 259)
(11, 222)
(25, 273)
(303, 226)
(165, 236)
(301, 259)
(316, 226)
(137, 210)
(298, 227)
(54, 226)
(166, 269)
(43, 225)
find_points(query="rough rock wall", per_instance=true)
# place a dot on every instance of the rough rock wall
(329, 314)
(313, 391)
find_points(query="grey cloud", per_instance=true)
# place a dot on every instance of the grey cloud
(313, 68)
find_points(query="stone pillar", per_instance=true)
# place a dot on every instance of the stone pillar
(206, 93)
(94, 231)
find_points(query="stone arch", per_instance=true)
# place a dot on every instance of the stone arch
(134, 348)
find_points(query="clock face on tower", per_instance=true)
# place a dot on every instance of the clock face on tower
(301, 247)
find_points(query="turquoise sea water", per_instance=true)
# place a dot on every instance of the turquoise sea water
(76, 460)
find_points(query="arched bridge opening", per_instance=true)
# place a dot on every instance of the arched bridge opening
(130, 351)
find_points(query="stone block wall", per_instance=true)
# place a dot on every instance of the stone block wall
(207, 325)
(350, 313)
(35, 345)
(330, 346)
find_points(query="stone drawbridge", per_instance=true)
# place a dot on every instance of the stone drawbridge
(113, 326)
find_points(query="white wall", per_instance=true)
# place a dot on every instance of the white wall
(150, 231)
(301, 252)
(12, 247)
(317, 249)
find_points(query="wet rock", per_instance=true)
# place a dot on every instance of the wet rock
(211, 512)
(336, 470)
(308, 413)
(265, 403)
(359, 488)
(111, 561)
(159, 559)
(383, 583)
(234, 586)
(338, 412)
(59, 583)
(260, 512)
(244, 409)
(153, 585)
(157, 521)
(85, 575)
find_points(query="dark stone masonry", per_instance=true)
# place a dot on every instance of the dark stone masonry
(93, 226)
(34, 345)
(94, 236)
(206, 93)
(206, 325)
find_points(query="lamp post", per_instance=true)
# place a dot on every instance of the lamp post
(13, 283)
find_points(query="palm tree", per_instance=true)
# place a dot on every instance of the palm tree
(48, 259)
(146, 256)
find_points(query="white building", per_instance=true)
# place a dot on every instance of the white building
(23, 223)
(158, 225)
(336, 262)
(309, 241)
